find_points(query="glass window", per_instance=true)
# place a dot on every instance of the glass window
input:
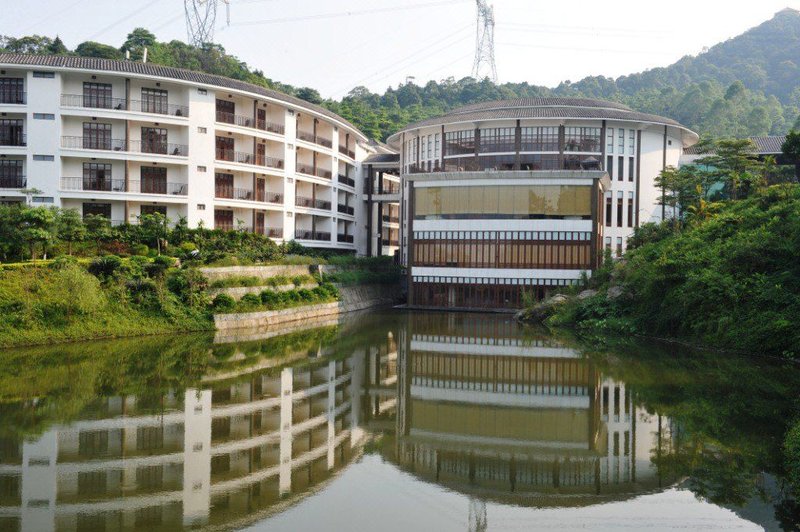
(583, 139)
(610, 140)
(539, 139)
(97, 95)
(459, 142)
(621, 144)
(155, 101)
(631, 141)
(498, 139)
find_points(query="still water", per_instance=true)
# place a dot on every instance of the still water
(391, 421)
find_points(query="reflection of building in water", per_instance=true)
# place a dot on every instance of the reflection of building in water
(486, 411)
(209, 456)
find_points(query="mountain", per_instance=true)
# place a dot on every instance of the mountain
(746, 86)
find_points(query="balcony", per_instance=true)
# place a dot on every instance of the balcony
(235, 156)
(93, 184)
(275, 233)
(344, 150)
(121, 104)
(343, 179)
(391, 219)
(13, 181)
(269, 197)
(315, 139)
(311, 203)
(311, 170)
(158, 187)
(390, 187)
(13, 97)
(228, 192)
(247, 121)
(346, 209)
(133, 146)
(272, 162)
(388, 242)
(344, 238)
(302, 234)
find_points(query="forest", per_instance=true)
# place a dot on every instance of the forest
(744, 86)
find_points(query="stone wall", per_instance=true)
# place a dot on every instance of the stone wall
(237, 292)
(263, 272)
(352, 298)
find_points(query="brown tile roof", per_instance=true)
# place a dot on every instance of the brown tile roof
(152, 69)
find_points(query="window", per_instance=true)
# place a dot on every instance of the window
(499, 139)
(610, 166)
(608, 242)
(44, 157)
(609, 209)
(11, 174)
(202, 130)
(630, 209)
(98, 95)
(42, 74)
(92, 443)
(202, 91)
(631, 169)
(539, 139)
(631, 141)
(149, 438)
(11, 133)
(12, 90)
(154, 101)
(97, 176)
(154, 180)
(424, 149)
(539, 162)
(44, 116)
(583, 139)
(619, 209)
(92, 483)
(226, 111)
(430, 147)
(459, 142)
(610, 140)
(620, 168)
(201, 206)
(201, 168)
(97, 209)
(619, 246)
(43, 199)
(154, 140)
(437, 146)
(96, 136)
(621, 143)
(223, 185)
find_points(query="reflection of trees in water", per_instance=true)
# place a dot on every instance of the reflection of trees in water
(729, 412)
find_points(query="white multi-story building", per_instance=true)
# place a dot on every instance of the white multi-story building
(124, 138)
(515, 196)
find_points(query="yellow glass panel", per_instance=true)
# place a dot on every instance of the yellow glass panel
(505, 203)
(476, 200)
(521, 200)
(490, 199)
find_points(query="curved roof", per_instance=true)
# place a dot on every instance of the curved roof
(154, 70)
(544, 108)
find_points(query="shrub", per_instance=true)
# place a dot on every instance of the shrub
(64, 261)
(140, 250)
(791, 450)
(189, 285)
(71, 291)
(271, 298)
(105, 267)
(251, 300)
(223, 303)
(305, 295)
(143, 292)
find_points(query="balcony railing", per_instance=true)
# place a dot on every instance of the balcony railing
(13, 139)
(344, 238)
(271, 197)
(134, 146)
(248, 121)
(12, 97)
(315, 139)
(272, 162)
(310, 170)
(391, 219)
(272, 127)
(274, 233)
(13, 181)
(235, 156)
(344, 150)
(302, 201)
(386, 242)
(390, 187)
(303, 234)
(158, 187)
(346, 209)
(93, 184)
(158, 147)
(223, 226)
(228, 192)
(121, 104)
(343, 179)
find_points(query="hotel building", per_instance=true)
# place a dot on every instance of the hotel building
(512, 197)
(123, 138)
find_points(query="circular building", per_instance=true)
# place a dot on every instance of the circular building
(511, 197)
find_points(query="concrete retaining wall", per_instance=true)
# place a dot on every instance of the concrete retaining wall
(238, 291)
(352, 298)
(263, 272)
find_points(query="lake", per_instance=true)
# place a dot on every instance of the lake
(391, 420)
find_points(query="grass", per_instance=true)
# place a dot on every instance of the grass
(271, 300)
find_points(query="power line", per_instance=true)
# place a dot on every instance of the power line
(126, 18)
(50, 17)
(578, 49)
(341, 14)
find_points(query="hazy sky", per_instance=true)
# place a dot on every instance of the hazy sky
(334, 45)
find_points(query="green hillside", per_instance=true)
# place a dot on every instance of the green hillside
(748, 85)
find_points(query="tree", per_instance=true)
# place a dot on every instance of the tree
(310, 95)
(37, 228)
(10, 231)
(682, 188)
(137, 41)
(29, 194)
(57, 47)
(98, 228)
(70, 227)
(154, 228)
(791, 150)
(96, 49)
(734, 163)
